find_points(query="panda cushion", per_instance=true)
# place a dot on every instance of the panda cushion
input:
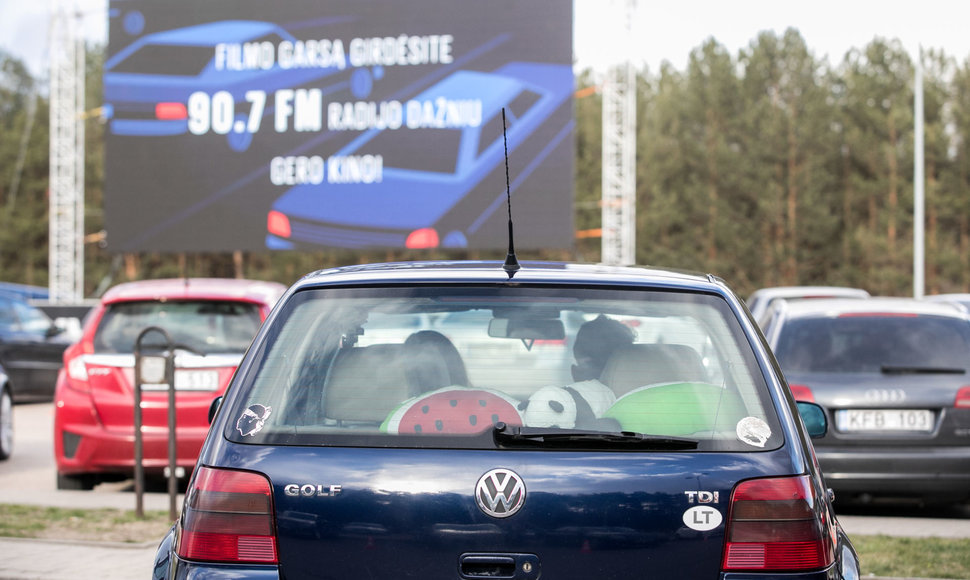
(579, 404)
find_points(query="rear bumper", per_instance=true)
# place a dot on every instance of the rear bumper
(932, 472)
(82, 444)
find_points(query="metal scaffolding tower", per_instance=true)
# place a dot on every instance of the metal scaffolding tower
(66, 257)
(619, 156)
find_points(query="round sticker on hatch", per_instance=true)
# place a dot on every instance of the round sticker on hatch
(753, 431)
(702, 518)
(253, 419)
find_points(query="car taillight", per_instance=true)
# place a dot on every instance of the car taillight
(802, 393)
(278, 224)
(171, 111)
(962, 400)
(77, 371)
(773, 526)
(422, 238)
(228, 518)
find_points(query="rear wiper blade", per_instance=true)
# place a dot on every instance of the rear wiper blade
(915, 370)
(573, 438)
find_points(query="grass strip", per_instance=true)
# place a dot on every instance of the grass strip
(99, 525)
(913, 557)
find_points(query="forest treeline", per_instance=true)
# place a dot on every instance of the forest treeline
(767, 167)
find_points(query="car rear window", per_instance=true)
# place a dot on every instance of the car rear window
(439, 367)
(871, 344)
(204, 326)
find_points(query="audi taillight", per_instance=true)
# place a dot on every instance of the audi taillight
(228, 518)
(962, 400)
(802, 393)
(773, 526)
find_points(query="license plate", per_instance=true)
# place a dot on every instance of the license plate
(869, 420)
(190, 380)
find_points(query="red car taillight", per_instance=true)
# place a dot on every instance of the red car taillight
(962, 400)
(77, 372)
(773, 526)
(228, 518)
(802, 393)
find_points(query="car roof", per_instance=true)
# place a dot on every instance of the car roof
(832, 307)
(196, 288)
(492, 272)
(796, 291)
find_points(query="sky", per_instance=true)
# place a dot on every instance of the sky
(665, 31)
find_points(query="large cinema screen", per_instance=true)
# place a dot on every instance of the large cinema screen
(296, 124)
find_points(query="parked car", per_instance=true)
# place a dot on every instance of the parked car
(31, 349)
(963, 299)
(422, 197)
(211, 323)
(761, 300)
(6, 417)
(395, 459)
(892, 377)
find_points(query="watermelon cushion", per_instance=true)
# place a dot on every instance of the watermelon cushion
(453, 411)
(678, 409)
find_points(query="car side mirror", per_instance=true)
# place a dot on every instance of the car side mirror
(214, 408)
(814, 418)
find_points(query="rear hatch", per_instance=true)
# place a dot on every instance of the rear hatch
(371, 513)
(198, 380)
(908, 407)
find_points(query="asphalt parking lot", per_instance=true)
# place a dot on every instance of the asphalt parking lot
(28, 477)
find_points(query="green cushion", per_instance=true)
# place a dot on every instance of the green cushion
(678, 409)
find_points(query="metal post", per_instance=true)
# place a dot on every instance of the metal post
(149, 374)
(172, 447)
(139, 468)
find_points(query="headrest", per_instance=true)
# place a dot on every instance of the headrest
(365, 383)
(645, 364)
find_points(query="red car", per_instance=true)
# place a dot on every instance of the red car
(210, 321)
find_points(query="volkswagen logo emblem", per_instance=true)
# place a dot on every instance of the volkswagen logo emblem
(500, 493)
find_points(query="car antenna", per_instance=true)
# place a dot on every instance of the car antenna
(511, 265)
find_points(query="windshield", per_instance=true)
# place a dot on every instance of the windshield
(444, 366)
(204, 327)
(872, 344)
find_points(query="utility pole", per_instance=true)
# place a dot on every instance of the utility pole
(919, 181)
(619, 154)
(66, 222)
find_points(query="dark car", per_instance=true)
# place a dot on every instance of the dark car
(342, 453)
(892, 377)
(31, 349)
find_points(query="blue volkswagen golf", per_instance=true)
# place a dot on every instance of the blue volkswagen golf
(448, 420)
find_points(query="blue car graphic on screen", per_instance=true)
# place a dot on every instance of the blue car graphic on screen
(149, 85)
(423, 173)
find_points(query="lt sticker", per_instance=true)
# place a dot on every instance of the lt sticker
(753, 431)
(253, 419)
(702, 518)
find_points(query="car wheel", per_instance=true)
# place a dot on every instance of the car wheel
(6, 423)
(84, 481)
